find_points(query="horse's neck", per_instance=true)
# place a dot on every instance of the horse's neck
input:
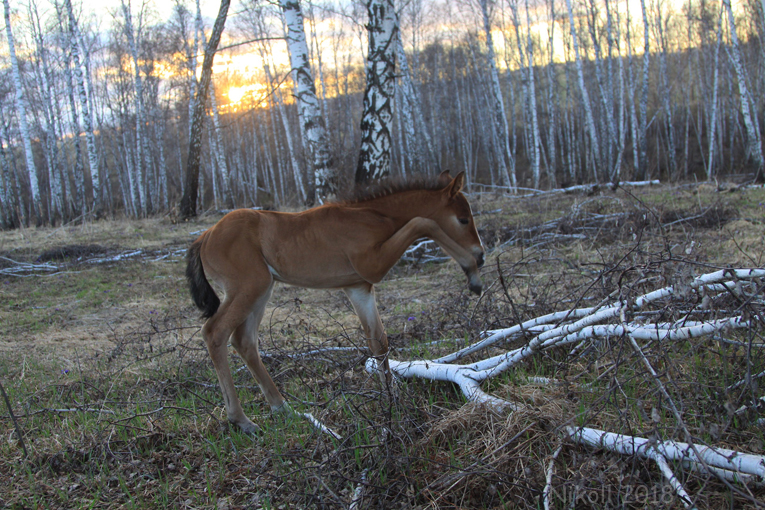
(402, 207)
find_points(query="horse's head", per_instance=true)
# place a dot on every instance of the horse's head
(456, 220)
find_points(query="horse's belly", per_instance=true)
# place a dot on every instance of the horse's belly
(316, 276)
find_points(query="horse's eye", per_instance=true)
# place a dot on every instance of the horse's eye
(464, 221)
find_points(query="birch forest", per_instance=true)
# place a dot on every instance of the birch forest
(96, 106)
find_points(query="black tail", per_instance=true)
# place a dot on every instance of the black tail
(203, 294)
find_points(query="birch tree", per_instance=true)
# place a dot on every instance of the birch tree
(711, 164)
(506, 158)
(21, 109)
(188, 207)
(590, 119)
(311, 119)
(87, 124)
(376, 121)
(139, 186)
(44, 72)
(643, 108)
(218, 148)
(666, 94)
(753, 142)
(413, 118)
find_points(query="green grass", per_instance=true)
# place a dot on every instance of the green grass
(118, 401)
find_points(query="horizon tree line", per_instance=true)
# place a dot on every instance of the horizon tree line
(518, 93)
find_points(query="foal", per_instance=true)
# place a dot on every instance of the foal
(349, 245)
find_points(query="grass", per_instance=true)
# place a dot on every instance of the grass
(119, 405)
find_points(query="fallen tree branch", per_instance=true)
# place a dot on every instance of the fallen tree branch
(586, 325)
(548, 478)
(727, 464)
(19, 433)
(358, 493)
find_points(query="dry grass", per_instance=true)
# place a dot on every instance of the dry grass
(120, 408)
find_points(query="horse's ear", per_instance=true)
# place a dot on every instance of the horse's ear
(456, 185)
(444, 179)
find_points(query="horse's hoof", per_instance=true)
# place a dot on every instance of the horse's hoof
(249, 428)
(283, 410)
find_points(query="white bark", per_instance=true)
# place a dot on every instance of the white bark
(573, 326)
(377, 118)
(552, 103)
(506, 157)
(21, 108)
(727, 464)
(577, 326)
(412, 116)
(666, 93)
(87, 124)
(711, 165)
(51, 139)
(281, 112)
(592, 130)
(80, 199)
(219, 149)
(525, 52)
(139, 189)
(754, 144)
(309, 111)
(643, 120)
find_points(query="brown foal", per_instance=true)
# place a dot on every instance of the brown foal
(348, 245)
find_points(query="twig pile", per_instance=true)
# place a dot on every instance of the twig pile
(636, 319)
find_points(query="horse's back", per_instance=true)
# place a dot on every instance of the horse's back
(307, 249)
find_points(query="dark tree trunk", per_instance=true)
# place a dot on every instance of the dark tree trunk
(189, 200)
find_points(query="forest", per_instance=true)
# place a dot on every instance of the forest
(96, 106)
(613, 160)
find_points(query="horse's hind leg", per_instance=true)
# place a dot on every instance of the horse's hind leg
(216, 332)
(363, 299)
(245, 341)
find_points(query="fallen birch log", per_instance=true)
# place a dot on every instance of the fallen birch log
(728, 464)
(608, 320)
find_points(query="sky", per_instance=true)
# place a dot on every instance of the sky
(102, 9)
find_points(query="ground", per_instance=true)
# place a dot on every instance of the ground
(107, 375)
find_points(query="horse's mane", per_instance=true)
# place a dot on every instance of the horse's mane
(387, 187)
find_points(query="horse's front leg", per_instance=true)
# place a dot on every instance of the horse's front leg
(373, 264)
(362, 298)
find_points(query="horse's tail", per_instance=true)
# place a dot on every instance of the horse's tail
(201, 291)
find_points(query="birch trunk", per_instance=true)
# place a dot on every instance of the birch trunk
(643, 109)
(21, 108)
(711, 166)
(87, 125)
(552, 95)
(616, 171)
(592, 130)
(376, 122)
(611, 149)
(79, 167)
(666, 95)
(139, 184)
(413, 118)
(506, 157)
(220, 152)
(51, 135)
(754, 145)
(309, 111)
(536, 137)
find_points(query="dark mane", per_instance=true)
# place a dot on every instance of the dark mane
(386, 187)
